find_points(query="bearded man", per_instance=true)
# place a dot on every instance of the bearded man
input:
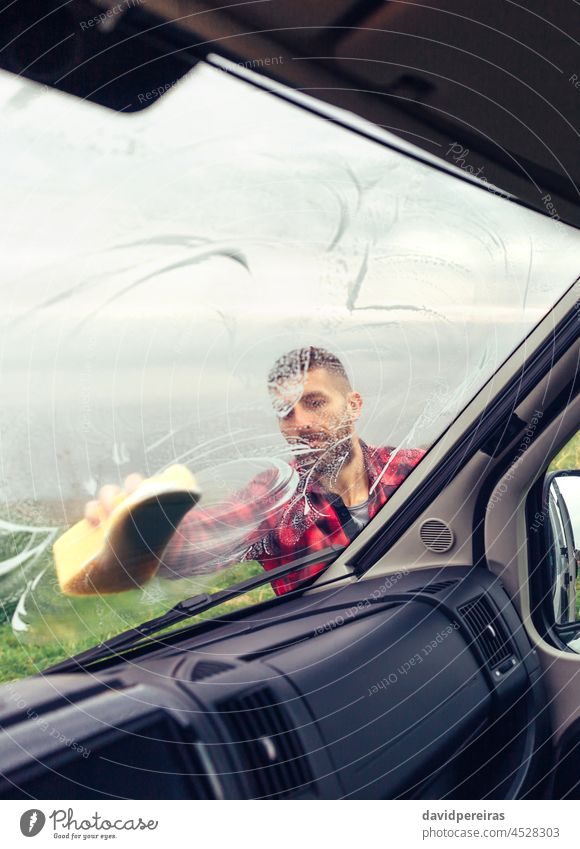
(342, 481)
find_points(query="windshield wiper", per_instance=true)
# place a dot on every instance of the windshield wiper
(190, 607)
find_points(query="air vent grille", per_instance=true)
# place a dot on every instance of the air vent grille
(487, 630)
(433, 589)
(436, 535)
(207, 668)
(201, 772)
(275, 765)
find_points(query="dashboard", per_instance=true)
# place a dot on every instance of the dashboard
(414, 685)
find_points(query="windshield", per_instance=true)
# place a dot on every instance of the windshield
(227, 286)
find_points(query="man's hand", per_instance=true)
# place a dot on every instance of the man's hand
(110, 495)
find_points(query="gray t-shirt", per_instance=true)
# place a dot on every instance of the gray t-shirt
(360, 514)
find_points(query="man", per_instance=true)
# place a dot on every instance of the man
(342, 481)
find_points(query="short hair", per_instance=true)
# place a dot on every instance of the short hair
(296, 363)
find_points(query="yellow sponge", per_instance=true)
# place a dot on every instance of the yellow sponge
(123, 551)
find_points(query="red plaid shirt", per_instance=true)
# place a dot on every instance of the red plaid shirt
(312, 519)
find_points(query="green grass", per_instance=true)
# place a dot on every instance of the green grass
(568, 457)
(75, 624)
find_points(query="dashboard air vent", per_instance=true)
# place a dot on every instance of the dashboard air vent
(433, 589)
(207, 668)
(487, 630)
(436, 535)
(274, 764)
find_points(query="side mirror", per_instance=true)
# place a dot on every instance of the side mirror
(562, 501)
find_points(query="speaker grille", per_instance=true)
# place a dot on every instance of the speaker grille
(436, 535)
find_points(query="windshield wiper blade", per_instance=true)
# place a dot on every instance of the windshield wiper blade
(190, 607)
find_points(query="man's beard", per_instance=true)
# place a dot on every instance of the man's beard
(328, 457)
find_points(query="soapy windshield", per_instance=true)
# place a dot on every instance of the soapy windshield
(169, 282)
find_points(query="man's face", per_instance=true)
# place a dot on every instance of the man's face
(316, 416)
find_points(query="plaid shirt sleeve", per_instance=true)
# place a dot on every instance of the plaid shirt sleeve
(198, 539)
(196, 542)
